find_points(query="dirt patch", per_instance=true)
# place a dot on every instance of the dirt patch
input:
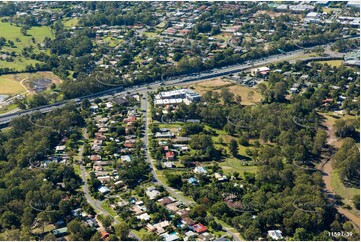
(218, 83)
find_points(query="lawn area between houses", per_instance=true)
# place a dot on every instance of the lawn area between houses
(141, 233)
(71, 22)
(105, 206)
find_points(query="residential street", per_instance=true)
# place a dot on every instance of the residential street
(144, 106)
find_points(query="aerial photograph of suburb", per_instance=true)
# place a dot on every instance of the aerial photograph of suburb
(180, 120)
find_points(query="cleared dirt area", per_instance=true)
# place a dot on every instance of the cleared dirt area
(217, 84)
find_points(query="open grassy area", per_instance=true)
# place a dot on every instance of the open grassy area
(9, 85)
(34, 36)
(336, 63)
(77, 169)
(47, 228)
(141, 233)
(330, 10)
(8, 108)
(150, 35)
(231, 229)
(345, 192)
(217, 84)
(108, 209)
(231, 165)
(71, 22)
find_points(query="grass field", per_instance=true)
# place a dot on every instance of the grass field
(150, 35)
(106, 207)
(13, 33)
(345, 192)
(217, 84)
(71, 22)
(231, 165)
(8, 85)
(336, 63)
(330, 10)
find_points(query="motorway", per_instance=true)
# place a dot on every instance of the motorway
(6, 118)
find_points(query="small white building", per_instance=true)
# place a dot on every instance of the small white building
(275, 234)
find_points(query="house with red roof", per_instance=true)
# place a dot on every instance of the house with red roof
(104, 235)
(169, 155)
(199, 228)
(131, 118)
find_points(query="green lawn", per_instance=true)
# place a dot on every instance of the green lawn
(8, 108)
(8, 85)
(108, 209)
(339, 188)
(336, 63)
(231, 229)
(77, 169)
(229, 166)
(13, 33)
(150, 34)
(71, 22)
(141, 232)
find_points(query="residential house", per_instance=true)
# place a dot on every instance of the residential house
(152, 192)
(199, 228)
(275, 234)
(193, 181)
(200, 170)
(170, 155)
(144, 216)
(166, 200)
(60, 232)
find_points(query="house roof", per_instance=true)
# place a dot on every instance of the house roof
(104, 234)
(199, 228)
(103, 189)
(275, 234)
(60, 231)
(169, 154)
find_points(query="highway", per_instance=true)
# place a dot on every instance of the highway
(217, 72)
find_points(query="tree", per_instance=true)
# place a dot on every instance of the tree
(50, 237)
(96, 237)
(227, 96)
(320, 141)
(344, 128)
(356, 201)
(302, 234)
(238, 99)
(122, 230)
(175, 180)
(23, 30)
(233, 147)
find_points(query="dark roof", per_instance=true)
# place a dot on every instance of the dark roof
(120, 101)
